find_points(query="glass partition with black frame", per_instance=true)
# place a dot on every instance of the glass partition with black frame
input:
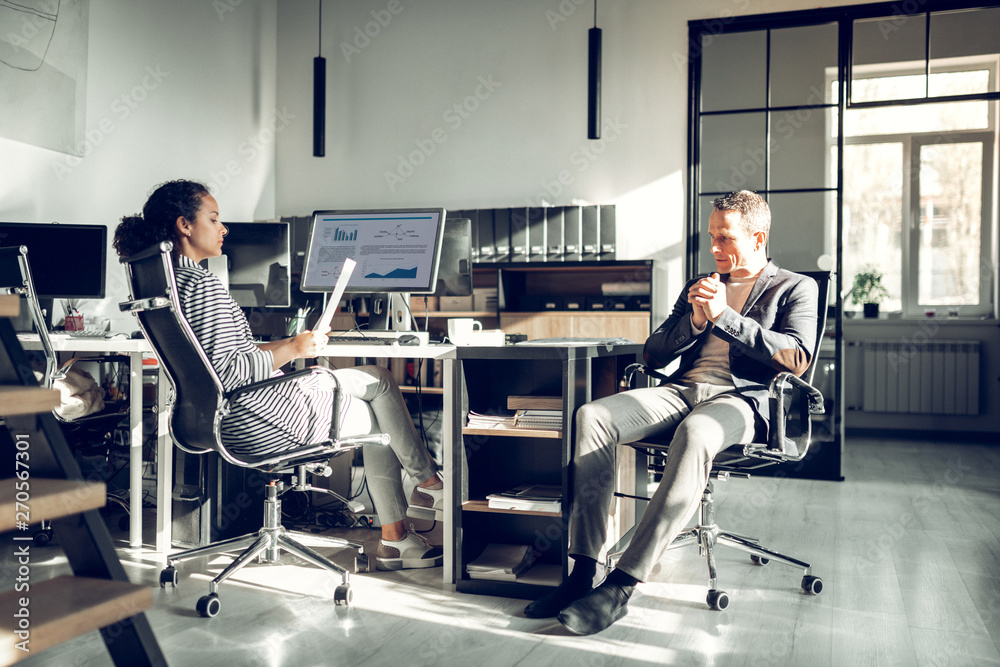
(872, 133)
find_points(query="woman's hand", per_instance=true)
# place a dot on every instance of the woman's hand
(308, 344)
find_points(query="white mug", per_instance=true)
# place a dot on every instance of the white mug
(460, 329)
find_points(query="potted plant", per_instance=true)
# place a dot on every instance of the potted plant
(868, 289)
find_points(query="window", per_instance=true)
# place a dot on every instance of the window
(888, 157)
(917, 192)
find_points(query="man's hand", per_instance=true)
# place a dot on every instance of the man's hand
(708, 299)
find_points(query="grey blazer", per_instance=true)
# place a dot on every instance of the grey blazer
(776, 331)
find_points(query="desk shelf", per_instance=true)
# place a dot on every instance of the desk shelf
(483, 506)
(514, 432)
(488, 460)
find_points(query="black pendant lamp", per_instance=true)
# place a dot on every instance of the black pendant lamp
(594, 81)
(319, 95)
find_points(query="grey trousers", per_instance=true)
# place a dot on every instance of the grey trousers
(709, 418)
(372, 403)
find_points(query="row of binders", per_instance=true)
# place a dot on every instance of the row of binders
(542, 233)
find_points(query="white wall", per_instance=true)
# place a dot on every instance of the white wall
(233, 106)
(397, 68)
(175, 90)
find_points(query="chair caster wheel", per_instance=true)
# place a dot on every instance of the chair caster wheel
(718, 600)
(343, 595)
(168, 575)
(362, 563)
(812, 585)
(209, 605)
(42, 537)
(759, 560)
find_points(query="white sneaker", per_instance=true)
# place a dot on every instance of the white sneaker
(411, 552)
(426, 503)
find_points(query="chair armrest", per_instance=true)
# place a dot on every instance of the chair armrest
(813, 394)
(270, 382)
(628, 376)
(781, 446)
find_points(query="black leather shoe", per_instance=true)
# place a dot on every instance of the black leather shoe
(555, 601)
(595, 611)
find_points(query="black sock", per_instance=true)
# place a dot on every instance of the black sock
(584, 569)
(623, 580)
(579, 582)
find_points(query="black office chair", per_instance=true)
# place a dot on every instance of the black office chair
(91, 433)
(792, 402)
(198, 404)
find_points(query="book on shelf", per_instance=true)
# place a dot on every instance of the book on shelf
(529, 497)
(502, 562)
(534, 402)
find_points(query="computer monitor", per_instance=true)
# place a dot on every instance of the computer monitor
(397, 250)
(455, 266)
(255, 263)
(67, 261)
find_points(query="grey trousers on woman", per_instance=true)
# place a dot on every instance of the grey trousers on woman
(712, 417)
(372, 403)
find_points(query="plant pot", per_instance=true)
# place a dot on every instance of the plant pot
(871, 310)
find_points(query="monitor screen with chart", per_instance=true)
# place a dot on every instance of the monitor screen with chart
(396, 250)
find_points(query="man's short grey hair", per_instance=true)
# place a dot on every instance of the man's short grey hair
(755, 216)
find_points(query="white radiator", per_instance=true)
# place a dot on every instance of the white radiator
(931, 377)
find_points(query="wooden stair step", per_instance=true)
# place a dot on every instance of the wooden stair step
(10, 305)
(17, 400)
(47, 499)
(65, 607)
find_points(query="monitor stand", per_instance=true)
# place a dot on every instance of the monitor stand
(389, 312)
(389, 316)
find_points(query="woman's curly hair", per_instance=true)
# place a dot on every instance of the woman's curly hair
(169, 201)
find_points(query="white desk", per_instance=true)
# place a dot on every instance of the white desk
(135, 349)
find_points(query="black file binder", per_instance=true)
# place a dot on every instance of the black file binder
(471, 215)
(590, 233)
(501, 234)
(554, 244)
(519, 234)
(606, 244)
(572, 234)
(536, 234)
(485, 235)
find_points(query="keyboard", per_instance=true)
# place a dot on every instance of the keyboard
(87, 333)
(362, 340)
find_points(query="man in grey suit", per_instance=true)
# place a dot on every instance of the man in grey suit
(733, 331)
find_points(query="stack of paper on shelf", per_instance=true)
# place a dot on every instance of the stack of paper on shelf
(477, 420)
(502, 562)
(543, 419)
(530, 497)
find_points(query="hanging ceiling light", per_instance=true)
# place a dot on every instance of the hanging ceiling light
(319, 94)
(594, 81)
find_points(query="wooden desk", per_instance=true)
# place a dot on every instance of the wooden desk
(134, 348)
(484, 461)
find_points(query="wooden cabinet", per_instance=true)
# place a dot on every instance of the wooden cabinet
(572, 299)
(485, 460)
